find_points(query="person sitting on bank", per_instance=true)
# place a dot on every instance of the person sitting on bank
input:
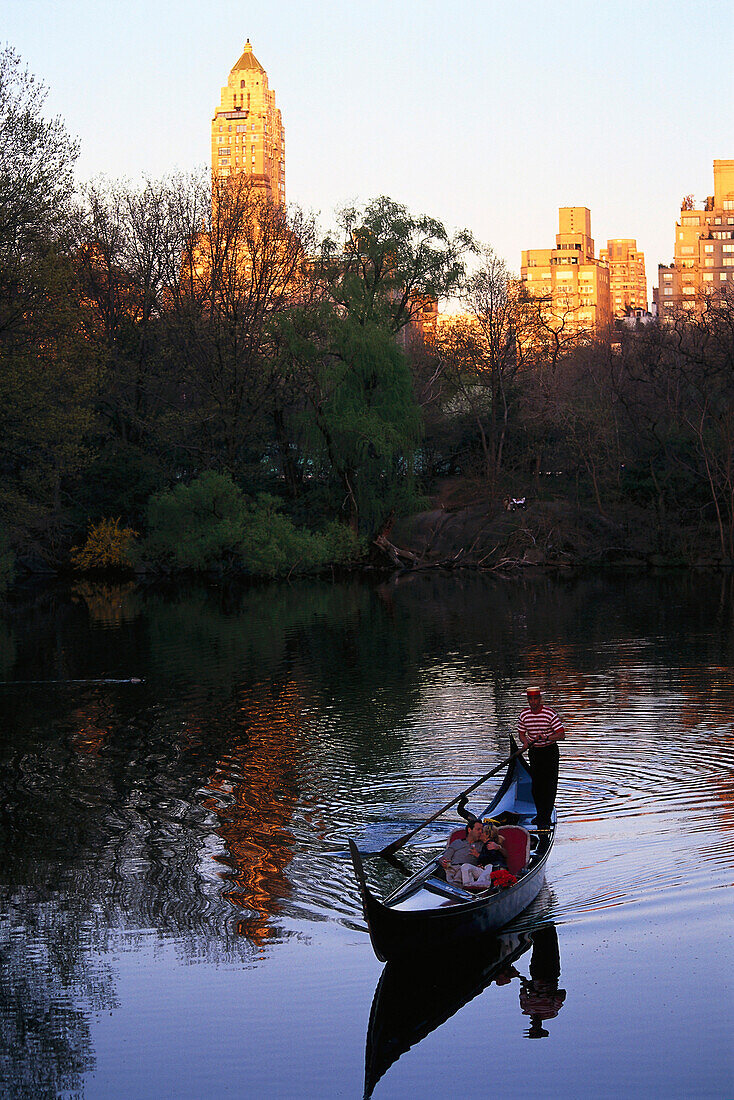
(540, 729)
(460, 860)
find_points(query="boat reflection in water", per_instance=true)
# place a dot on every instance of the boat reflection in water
(412, 1000)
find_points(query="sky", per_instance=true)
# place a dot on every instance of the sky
(487, 115)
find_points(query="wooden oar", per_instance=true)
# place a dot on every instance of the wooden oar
(388, 851)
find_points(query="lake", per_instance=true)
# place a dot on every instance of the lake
(181, 769)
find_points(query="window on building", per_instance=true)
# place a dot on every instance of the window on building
(668, 290)
(727, 248)
(708, 277)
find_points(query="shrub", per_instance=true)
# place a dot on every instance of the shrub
(209, 524)
(108, 546)
(196, 526)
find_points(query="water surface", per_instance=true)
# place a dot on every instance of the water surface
(178, 915)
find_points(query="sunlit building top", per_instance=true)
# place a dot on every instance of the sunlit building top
(247, 129)
(703, 262)
(571, 282)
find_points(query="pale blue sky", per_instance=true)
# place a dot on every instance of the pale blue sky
(488, 114)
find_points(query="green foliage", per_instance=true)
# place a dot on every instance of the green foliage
(388, 259)
(196, 526)
(108, 546)
(209, 524)
(360, 425)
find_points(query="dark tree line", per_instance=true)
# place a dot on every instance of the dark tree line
(154, 335)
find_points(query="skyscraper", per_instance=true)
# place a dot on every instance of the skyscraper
(627, 280)
(704, 250)
(247, 129)
(572, 282)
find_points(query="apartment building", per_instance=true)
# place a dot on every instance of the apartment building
(247, 129)
(570, 279)
(703, 260)
(627, 279)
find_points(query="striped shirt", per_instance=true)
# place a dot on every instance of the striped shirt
(539, 727)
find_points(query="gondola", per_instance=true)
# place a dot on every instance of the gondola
(425, 913)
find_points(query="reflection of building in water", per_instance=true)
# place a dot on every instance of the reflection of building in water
(254, 793)
(540, 997)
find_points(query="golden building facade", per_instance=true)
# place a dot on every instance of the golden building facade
(573, 282)
(703, 260)
(627, 278)
(247, 129)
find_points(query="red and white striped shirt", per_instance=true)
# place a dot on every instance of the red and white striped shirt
(539, 727)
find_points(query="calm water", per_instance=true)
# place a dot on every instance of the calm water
(178, 918)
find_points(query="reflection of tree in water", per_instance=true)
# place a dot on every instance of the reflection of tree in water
(49, 989)
(558, 629)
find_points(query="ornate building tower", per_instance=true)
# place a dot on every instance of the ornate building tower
(247, 129)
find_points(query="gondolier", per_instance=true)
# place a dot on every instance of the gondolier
(540, 729)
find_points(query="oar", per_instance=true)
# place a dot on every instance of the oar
(391, 848)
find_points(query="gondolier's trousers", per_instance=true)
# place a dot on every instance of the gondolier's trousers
(544, 771)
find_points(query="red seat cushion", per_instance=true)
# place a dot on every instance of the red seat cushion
(457, 834)
(517, 846)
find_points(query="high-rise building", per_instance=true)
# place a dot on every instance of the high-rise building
(704, 249)
(573, 282)
(627, 279)
(247, 129)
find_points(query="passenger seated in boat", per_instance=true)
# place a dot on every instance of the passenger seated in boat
(493, 853)
(460, 860)
(492, 857)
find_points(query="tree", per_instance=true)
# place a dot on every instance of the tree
(483, 351)
(358, 425)
(45, 378)
(384, 262)
(352, 414)
(36, 162)
(244, 268)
